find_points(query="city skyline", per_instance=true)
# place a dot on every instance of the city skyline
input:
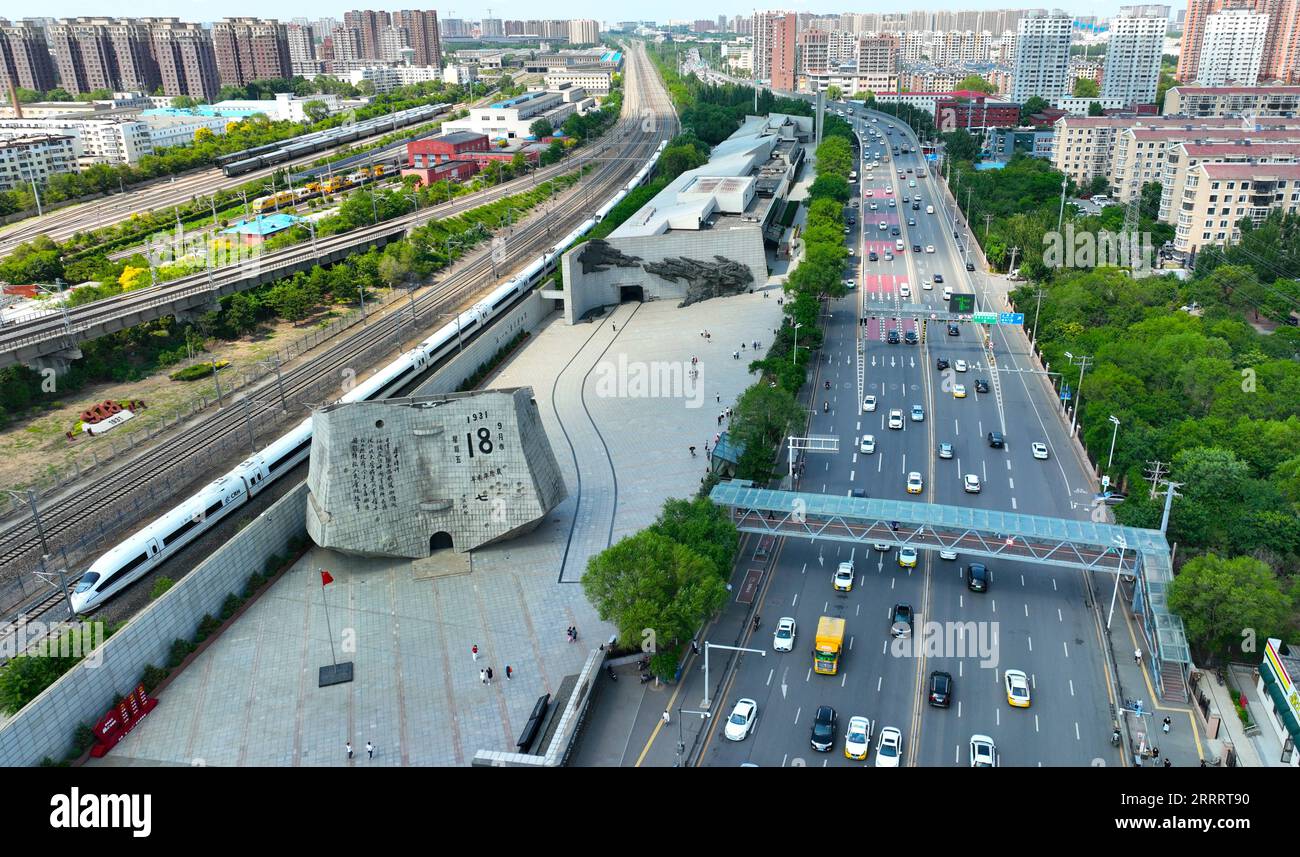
(515, 9)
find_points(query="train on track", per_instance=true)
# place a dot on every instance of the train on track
(322, 187)
(247, 160)
(177, 527)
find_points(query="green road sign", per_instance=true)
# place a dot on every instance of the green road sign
(985, 318)
(961, 304)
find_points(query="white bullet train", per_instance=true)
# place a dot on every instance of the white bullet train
(174, 529)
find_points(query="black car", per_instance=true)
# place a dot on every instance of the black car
(940, 689)
(977, 577)
(900, 622)
(938, 278)
(910, 337)
(916, 206)
(996, 440)
(981, 386)
(953, 329)
(894, 233)
(941, 363)
(892, 337)
(916, 248)
(970, 266)
(872, 257)
(823, 729)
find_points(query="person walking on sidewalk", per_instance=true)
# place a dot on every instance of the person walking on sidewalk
(666, 718)
(489, 676)
(1166, 725)
(473, 650)
(370, 750)
(1137, 657)
(348, 745)
(509, 673)
(482, 676)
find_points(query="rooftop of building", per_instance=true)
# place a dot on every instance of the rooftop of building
(520, 99)
(457, 137)
(263, 225)
(756, 156)
(1252, 172)
(1237, 90)
(209, 111)
(1288, 143)
(31, 139)
(1229, 126)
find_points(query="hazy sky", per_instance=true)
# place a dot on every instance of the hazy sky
(602, 10)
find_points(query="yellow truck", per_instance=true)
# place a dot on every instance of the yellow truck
(829, 644)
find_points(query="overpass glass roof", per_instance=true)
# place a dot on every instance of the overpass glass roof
(912, 513)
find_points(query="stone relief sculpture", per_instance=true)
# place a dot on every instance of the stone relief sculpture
(597, 255)
(704, 280)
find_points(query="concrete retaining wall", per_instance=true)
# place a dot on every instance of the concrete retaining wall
(45, 726)
(527, 315)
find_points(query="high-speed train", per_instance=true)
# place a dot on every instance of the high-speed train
(177, 527)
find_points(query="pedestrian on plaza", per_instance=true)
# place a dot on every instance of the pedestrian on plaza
(615, 326)
(693, 455)
(1168, 764)
(509, 673)
(348, 745)
(482, 676)
(1204, 764)
(742, 346)
(695, 647)
(719, 419)
(370, 750)
(718, 396)
(489, 675)
(1137, 657)
(716, 437)
(1167, 724)
(666, 718)
(473, 650)
(1155, 752)
(701, 333)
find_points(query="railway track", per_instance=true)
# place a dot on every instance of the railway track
(319, 379)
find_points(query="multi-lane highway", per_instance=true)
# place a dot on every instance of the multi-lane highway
(1031, 617)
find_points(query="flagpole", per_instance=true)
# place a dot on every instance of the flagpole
(333, 658)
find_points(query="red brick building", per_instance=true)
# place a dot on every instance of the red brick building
(449, 147)
(456, 171)
(975, 112)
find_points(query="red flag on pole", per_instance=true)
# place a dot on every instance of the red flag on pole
(325, 578)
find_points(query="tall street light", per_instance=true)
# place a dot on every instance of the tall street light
(1078, 391)
(794, 352)
(1111, 460)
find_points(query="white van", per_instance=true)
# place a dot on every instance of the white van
(929, 209)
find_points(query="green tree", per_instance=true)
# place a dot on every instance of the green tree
(241, 314)
(703, 527)
(1085, 88)
(977, 84)
(1033, 104)
(829, 187)
(1219, 599)
(648, 581)
(834, 93)
(961, 146)
(864, 95)
(184, 102)
(316, 111)
(1095, 108)
(541, 128)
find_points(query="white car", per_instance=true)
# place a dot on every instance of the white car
(907, 557)
(741, 720)
(783, 637)
(927, 284)
(882, 546)
(947, 293)
(960, 366)
(983, 752)
(947, 554)
(870, 192)
(889, 748)
(868, 445)
(904, 291)
(873, 207)
(1040, 450)
(889, 188)
(971, 483)
(857, 738)
(868, 403)
(929, 248)
(1017, 688)
(884, 227)
(895, 419)
(843, 580)
(914, 483)
(889, 257)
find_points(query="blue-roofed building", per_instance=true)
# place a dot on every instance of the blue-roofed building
(259, 228)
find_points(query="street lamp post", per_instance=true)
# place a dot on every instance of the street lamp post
(681, 737)
(1120, 543)
(1061, 214)
(1078, 391)
(794, 352)
(1111, 460)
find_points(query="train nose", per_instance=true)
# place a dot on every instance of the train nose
(79, 601)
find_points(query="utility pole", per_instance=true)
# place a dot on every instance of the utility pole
(1033, 337)
(1155, 470)
(1012, 266)
(248, 423)
(213, 361)
(1078, 391)
(1170, 493)
(988, 218)
(274, 363)
(1065, 182)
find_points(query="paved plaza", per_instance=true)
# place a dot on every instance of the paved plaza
(621, 411)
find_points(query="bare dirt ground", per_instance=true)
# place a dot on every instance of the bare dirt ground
(35, 447)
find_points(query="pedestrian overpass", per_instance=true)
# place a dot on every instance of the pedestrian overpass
(1142, 556)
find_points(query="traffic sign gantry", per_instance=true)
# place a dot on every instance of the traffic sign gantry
(1011, 318)
(985, 318)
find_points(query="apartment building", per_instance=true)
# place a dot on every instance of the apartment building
(1042, 56)
(1279, 45)
(974, 113)
(1233, 47)
(84, 54)
(1232, 100)
(422, 35)
(187, 61)
(782, 59)
(251, 49)
(584, 31)
(1137, 36)
(386, 78)
(1182, 157)
(105, 140)
(1216, 196)
(594, 80)
(764, 25)
(25, 57)
(35, 158)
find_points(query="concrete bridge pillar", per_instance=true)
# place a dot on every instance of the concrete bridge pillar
(193, 313)
(59, 361)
